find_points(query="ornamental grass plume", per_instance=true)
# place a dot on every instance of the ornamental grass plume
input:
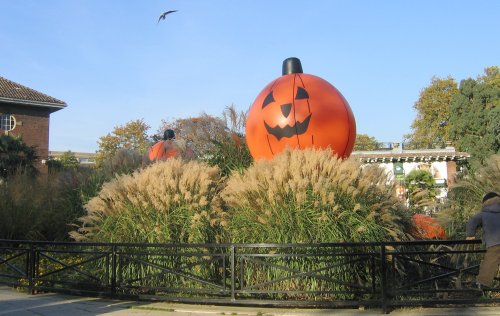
(306, 196)
(170, 201)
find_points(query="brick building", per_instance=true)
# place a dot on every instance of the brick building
(26, 112)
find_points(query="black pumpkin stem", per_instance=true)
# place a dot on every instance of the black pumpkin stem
(292, 65)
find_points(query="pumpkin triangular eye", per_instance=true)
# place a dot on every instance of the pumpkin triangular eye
(301, 94)
(268, 99)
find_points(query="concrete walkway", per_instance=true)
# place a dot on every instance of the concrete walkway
(17, 303)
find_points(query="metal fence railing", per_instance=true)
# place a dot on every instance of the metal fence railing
(377, 274)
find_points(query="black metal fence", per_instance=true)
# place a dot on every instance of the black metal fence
(378, 274)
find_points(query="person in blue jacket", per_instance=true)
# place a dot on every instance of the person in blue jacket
(489, 219)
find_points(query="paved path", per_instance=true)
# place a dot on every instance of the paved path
(17, 303)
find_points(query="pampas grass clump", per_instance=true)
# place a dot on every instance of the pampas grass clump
(171, 201)
(305, 196)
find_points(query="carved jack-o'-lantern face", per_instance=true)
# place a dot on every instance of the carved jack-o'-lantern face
(299, 111)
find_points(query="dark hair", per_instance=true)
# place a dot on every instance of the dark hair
(490, 195)
(168, 134)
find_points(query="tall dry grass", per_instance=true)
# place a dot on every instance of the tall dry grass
(170, 201)
(304, 196)
(39, 208)
(124, 161)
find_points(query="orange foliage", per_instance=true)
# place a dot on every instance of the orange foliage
(426, 227)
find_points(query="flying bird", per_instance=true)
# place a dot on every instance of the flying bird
(162, 17)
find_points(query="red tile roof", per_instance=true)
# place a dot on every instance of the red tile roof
(12, 92)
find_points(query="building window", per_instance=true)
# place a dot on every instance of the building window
(7, 122)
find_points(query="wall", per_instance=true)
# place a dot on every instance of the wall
(33, 124)
(439, 169)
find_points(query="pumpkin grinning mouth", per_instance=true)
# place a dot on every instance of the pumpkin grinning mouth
(288, 131)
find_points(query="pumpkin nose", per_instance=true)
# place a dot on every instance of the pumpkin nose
(286, 108)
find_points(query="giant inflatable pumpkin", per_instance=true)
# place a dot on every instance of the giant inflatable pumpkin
(299, 110)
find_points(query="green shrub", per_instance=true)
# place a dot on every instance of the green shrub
(16, 157)
(421, 190)
(305, 196)
(229, 154)
(229, 150)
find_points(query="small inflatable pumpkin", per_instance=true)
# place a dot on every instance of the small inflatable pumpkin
(162, 150)
(169, 147)
(299, 110)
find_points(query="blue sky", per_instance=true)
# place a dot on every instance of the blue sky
(111, 62)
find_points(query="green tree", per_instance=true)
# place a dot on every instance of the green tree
(16, 156)
(131, 136)
(421, 189)
(491, 76)
(431, 124)
(475, 117)
(365, 142)
(69, 160)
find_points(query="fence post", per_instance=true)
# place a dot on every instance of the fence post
(233, 279)
(374, 273)
(383, 279)
(113, 270)
(31, 268)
